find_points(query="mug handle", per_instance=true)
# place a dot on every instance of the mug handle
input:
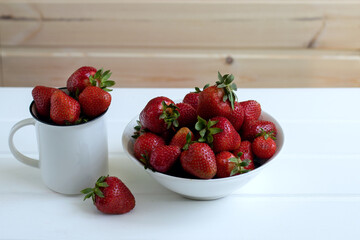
(19, 156)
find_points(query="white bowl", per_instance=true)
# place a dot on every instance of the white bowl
(201, 189)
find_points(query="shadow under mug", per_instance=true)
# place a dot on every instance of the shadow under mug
(72, 157)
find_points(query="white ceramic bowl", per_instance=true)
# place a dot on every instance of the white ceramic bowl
(200, 189)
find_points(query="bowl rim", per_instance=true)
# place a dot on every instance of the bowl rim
(127, 140)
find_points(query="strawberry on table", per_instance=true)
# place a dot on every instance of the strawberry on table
(159, 115)
(64, 110)
(145, 144)
(111, 196)
(199, 160)
(42, 96)
(264, 146)
(229, 164)
(164, 157)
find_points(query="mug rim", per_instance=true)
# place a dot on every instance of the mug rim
(54, 124)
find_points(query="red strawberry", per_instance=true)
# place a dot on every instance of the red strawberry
(264, 146)
(145, 144)
(88, 76)
(236, 116)
(94, 101)
(253, 127)
(63, 108)
(246, 153)
(192, 98)
(41, 96)
(164, 157)
(159, 115)
(188, 116)
(180, 137)
(111, 196)
(228, 165)
(252, 110)
(219, 133)
(199, 161)
(79, 80)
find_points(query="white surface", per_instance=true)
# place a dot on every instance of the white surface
(311, 192)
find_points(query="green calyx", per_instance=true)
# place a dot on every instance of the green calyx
(265, 134)
(226, 82)
(92, 192)
(206, 130)
(240, 165)
(145, 160)
(101, 79)
(197, 90)
(188, 141)
(170, 114)
(139, 130)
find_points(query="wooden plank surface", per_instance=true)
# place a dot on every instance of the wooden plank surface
(180, 68)
(174, 24)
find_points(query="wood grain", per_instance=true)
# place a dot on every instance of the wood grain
(179, 68)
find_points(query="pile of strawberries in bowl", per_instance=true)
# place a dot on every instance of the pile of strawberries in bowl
(205, 146)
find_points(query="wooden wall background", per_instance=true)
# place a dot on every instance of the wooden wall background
(283, 43)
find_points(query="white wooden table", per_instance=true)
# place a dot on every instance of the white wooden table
(312, 191)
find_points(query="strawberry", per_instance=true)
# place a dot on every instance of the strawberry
(252, 110)
(63, 108)
(79, 80)
(41, 96)
(164, 157)
(245, 153)
(145, 144)
(88, 76)
(253, 127)
(192, 98)
(199, 160)
(94, 101)
(228, 165)
(180, 137)
(264, 146)
(188, 116)
(159, 115)
(236, 117)
(111, 196)
(219, 133)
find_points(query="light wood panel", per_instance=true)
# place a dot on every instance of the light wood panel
(173, 24)
(159, 68)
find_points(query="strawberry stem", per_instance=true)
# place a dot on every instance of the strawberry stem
(226, 82)
(102, 79)
(92, 192)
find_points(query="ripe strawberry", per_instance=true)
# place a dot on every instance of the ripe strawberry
(192, 98)
(88, 76)
(236, 117)
(219, 133)
(159, 115)
(252, 110)
(145, 144)
(199, 161)
(111, 196)
(79, 80)
(63, 108)
(41, 96)
(251, 128)
(264, 146)
(228, 165)
(94, 101)
(180, 137)
(245, 153)
(188, 116)
(164, 157)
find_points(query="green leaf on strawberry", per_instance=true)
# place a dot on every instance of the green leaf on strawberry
(226, 82)
(170, 114)
(240, 165)
(206, 130)
(101, 79)
(91, 192)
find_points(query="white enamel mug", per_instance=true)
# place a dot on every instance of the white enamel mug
(72, 157)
